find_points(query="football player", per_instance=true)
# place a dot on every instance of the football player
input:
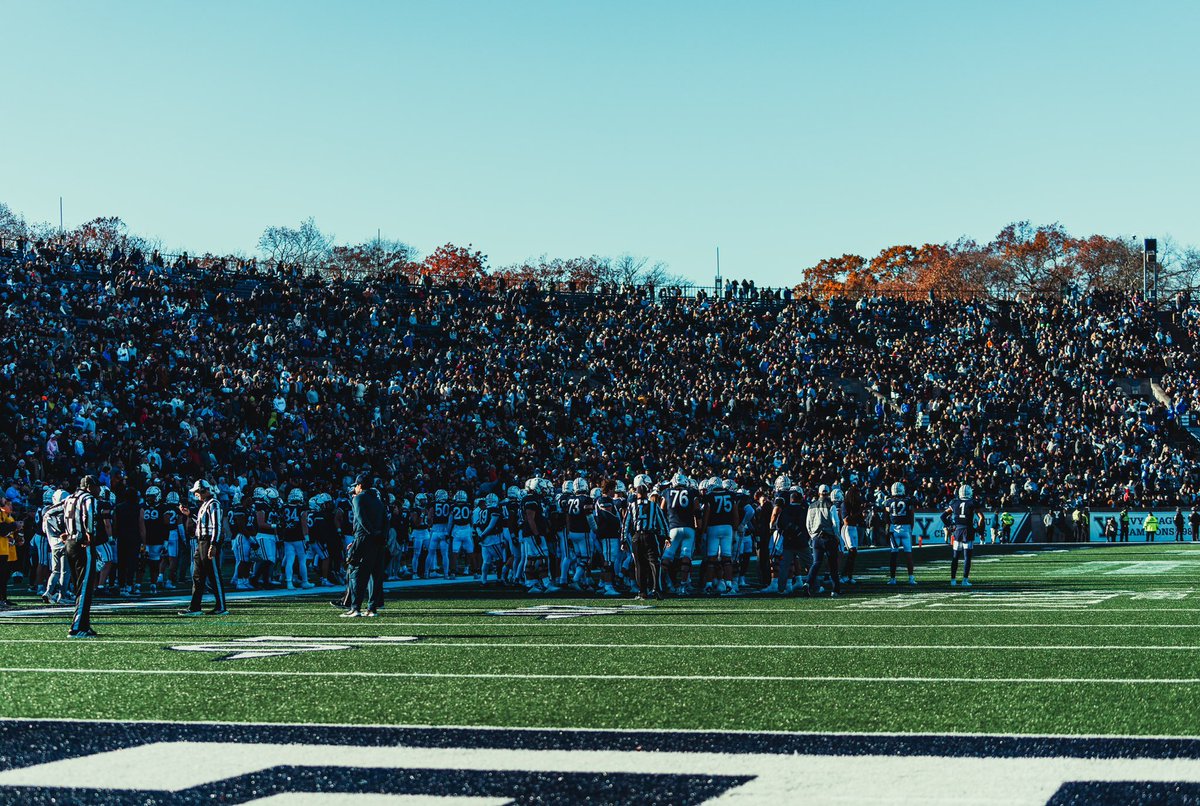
(743, 537)
(779, 501)
(293, 530)
(967, 522)
(720, 519)
(608, 536)
(852, 521)
(176, 540)
(461, 544)
(491, 537)
(509, 507)
(681, 502)
(899, 515)
(239, 528)
(322, 534)
(535, 528)
(266, 520)
(420, 534)
(439, 535)
(156, 538)
(578, 511)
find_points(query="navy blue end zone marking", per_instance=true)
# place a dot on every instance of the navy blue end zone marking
(1126, 793)
(24, 742)
(602, 789)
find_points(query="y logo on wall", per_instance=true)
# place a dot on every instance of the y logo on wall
(273, 646)
(557, 611)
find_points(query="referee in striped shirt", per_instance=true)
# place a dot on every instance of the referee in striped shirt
(81, 539)
(207, 560)
(646, 528)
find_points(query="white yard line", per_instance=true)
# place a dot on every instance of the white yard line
(567, 624)
(942, 679)
(517, 645)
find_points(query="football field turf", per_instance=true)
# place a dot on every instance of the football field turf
(1076, 642)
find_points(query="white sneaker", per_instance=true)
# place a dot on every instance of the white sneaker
(169, 585)
(954, 583)
(609, 590)
(966, 582)
(912, 580)
(772, 587)
(325, 583)
(291, 587)
(535, 589)
(352, 614)
(243, 585)
(307, 585)
(722, 586)
(892, 581)
(551, 587)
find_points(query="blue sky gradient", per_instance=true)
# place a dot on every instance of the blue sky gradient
(781, 132)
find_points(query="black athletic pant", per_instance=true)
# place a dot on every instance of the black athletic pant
(366, 564)
(5, 570)
(207, 574)
(128, 547)
(646, 560)
(83, 572)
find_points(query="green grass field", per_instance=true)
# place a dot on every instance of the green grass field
(1091, 641)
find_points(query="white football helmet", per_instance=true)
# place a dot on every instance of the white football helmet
(545, 487)
(514, 492)
(491, 501)
(679, 480)
(580, 485)
(47, 496)
(783, 482)
(153, 495)
(531, 485)
(422, 499)
(597, 493)
(260, 493)
(314, 503)
(965, 492)
(731, 484)
(566, 487)
(642, 482)
(441, 496)
(837, 497)
(620, 487)
(172, 499)
(460, 497)
(60, 496)
(296, 497)
(898, 488)
(273, 495)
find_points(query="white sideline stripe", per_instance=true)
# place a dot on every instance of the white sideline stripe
(430, 644)
(530, 728)
(718, 678)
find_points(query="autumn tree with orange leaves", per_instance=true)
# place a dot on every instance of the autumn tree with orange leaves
(454, 263)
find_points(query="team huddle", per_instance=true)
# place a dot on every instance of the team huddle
(683, 537)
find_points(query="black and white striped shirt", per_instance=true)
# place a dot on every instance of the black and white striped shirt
(208, 521)
(645, 516)
(80, 516)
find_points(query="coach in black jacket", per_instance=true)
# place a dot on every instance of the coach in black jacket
(366, 557)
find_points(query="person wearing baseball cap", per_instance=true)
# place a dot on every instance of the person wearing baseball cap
(207, 560)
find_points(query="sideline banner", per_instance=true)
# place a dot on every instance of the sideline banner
(1137, 525)
(927, 526)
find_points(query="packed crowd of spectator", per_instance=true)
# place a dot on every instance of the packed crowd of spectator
(128, 366)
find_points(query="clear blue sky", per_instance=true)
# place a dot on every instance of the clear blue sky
(782, 132)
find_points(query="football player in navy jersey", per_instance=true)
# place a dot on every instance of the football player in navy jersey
(322, 533)
(509, 506)
(293, 531)
(420, 534)
(491, 537)
(535, 529)
(720, 519)
(779, 502)
(439, 533)
(608, 536)
(580, 524)
(967, 518)
(156, 537)
(462, 547)
(681, 502)
(743, 536)
(898, 514)
(239, 528)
